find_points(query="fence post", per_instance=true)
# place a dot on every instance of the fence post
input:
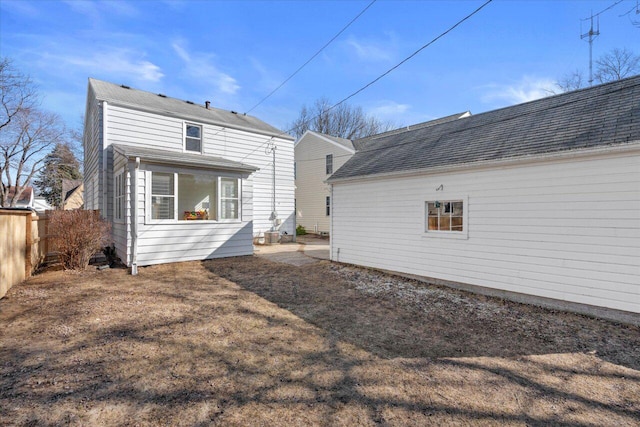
(27, 246)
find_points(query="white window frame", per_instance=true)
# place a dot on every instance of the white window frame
(327, 206)
(326, 164)
(446, 234)
(184, 137)
(119, 196)
(176, 219)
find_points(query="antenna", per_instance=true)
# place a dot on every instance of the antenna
(591, 34)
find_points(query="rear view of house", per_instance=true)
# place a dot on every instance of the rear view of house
(181, 181)
(536, 202)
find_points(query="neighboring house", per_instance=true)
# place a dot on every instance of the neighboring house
(72, 194)
(317, 156)
(181, 181)
(41, 205)
(538, 199)
(25, 199)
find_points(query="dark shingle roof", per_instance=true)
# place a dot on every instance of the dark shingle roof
(182, 159)
(599, 116)
(124, 95)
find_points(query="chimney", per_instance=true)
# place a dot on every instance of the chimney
(207, 104)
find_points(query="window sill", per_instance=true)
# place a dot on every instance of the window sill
(446, 235)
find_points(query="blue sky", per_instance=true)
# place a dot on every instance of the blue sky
(234, 53)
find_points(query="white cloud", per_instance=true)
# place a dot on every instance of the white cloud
(389, 108)
(527, 89)
(368, 50)
(96, 10)
(121, 62)
(200, 66)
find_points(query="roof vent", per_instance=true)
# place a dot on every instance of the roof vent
(207, 104)
(162, 95)
(189, 102)
(125, 86)
(234, 112)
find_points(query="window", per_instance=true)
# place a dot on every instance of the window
(119, 196)
(193, 138)
(329, 164)
(162, 196)
(446, 215)
(328, 206)
(192, 196)
(295, 171)
(229, 198)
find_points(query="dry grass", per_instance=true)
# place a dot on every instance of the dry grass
(248, 342)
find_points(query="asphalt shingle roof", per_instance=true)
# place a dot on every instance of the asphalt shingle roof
(182, 159)
(124, 95)
(599, 116)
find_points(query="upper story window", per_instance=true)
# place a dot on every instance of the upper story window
(329, 164)
(193, 138)
(327, 206)
(445, 215)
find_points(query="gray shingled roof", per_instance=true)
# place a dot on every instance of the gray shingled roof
(359, 144)
(118, 94)
(182, 159)
(599, 116)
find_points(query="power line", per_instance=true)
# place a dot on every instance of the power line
(409, 57)
(603, 11)
(457, 24)
(312, 57)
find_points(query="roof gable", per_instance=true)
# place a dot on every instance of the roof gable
(599, 116)
(343, 143)
(161, 104)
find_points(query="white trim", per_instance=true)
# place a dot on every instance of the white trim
(184, 137)
(442, 195)
(105, 192)
(134, 221)
(122, 173)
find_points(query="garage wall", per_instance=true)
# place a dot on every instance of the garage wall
(567, 230)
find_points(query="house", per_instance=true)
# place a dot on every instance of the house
(181, 181)
(72, 194)
(538, 202)
(25, 199)
(317, 156)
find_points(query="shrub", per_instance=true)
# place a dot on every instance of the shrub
(300, 231)
(77, 235)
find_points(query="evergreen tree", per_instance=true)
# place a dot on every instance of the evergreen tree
(59, 165)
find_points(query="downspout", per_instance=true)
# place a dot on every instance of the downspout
(105, 116)
(331, 212)
(134, 219)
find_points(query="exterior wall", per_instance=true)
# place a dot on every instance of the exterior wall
(566, 229)
(311, 191)
(92, 141)
(76, 200)
(145, 129)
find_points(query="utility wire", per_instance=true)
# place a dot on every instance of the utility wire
(404, 60)
(312, 57)
(603, 11)
(457, 24)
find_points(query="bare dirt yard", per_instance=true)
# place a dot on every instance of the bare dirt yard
(247, 341)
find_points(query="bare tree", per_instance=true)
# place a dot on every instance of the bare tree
(617, 64)
(26, 135)
(17, 92)
(343, 121)
(614, 65)
(571, 81)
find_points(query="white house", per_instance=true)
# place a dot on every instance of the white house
(538, 202)
(181, 181)
(317, 156)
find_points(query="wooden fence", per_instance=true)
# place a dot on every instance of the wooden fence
(24, 244)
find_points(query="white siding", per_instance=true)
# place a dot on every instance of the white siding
(311, 190)
(568, 230)
(181, 240)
